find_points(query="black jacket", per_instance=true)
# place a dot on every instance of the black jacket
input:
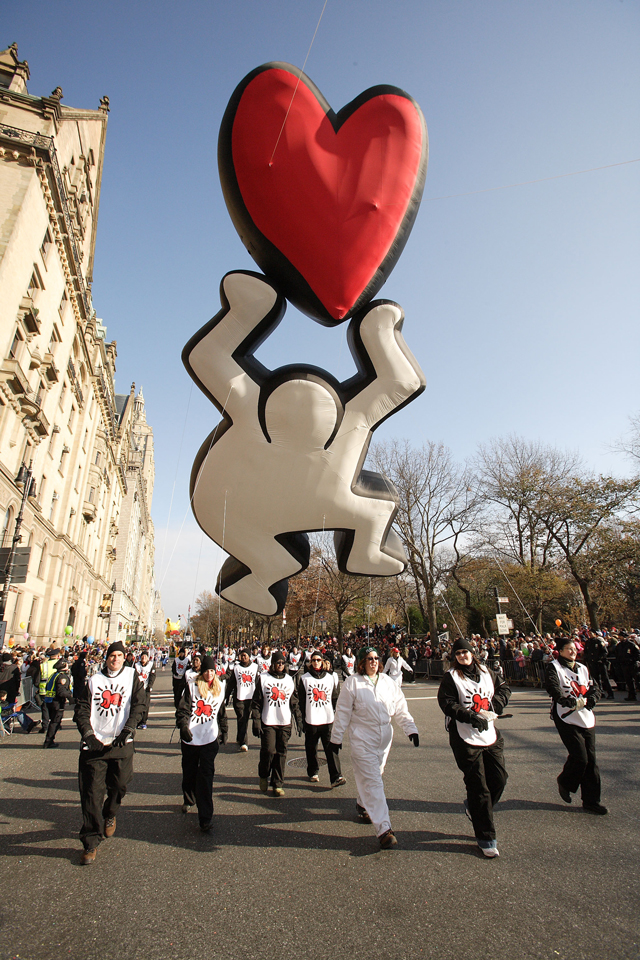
(449, 701)
(82, 716)
(183, 715)
(301, 694)
(258, 699)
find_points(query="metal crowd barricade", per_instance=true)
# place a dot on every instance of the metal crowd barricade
(529, 673)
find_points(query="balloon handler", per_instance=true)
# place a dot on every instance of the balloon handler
(107, 715)
(574, 695)
(471, 697)
(275, 703)
(202, 721)
(367, 703)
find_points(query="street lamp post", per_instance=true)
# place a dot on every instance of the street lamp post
(25, 476)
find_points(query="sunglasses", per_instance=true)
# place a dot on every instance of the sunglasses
(371, 659)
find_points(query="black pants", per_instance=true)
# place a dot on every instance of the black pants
(581, 769)
(56, 713)
(46, 709)
(321, 733)
(485, 777)
(198, 768)
(599, 673)
(273, 753)
(147, 704)
(243, 714)
(103, 784)
(630, 674)
(178, 690)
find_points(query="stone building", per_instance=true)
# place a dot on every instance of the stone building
(59, 414)
(134, 597)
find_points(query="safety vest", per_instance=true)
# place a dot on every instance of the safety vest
(47, 671)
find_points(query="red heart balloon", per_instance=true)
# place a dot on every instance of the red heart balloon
(324, 202)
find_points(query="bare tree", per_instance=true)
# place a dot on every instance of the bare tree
(437, 506)
(576, 513)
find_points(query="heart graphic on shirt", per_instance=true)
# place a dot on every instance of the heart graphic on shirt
(578, 689)
(479, 703)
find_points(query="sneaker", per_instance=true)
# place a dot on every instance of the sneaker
(50, 745)
(278, 792)
(387, 840)
(205, 825)
(185, 807)
(489, 848)
(142, 726)
(467, 812)
(340, 782)
(363, 816)
(564, 793)
(88, 856)
(315, 778)
(597, 808)
(110, 827)
(264, 784)
(244, 748)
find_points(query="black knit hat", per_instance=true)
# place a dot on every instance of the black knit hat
(116, 647)
(277, 657)
(207, 663)
(461, 644)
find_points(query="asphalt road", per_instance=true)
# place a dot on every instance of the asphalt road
(298, 877)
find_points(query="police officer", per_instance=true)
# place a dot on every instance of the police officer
(57, 693)
(46, 671)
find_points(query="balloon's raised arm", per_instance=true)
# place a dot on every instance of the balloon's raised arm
(219, 357)
(393, 375)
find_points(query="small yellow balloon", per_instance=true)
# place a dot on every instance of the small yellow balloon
(23, 625)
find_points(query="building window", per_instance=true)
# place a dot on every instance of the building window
(32, 615)
(64, 300)
(6, 527)
(54, 504)
(63, 395)
(84, 441)
(42, 566)
(46, 243)
(35, 283)
(63, 458)
(72, 415)
(92, 495)
(98, 458)
(16, 346)
(77, 487)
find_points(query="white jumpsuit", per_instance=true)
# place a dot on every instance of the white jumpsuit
(393, 668)
(366, 711)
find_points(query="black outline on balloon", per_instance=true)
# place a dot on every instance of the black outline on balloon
(366, 483)
(268, 257)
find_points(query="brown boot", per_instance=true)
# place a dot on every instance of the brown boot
(89, 856)
(110, 827)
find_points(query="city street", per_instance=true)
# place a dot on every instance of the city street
(298, 877)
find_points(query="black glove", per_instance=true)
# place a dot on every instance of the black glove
(256, 728)
(222, 738)
(185, 735)
(480, 723)
(415, 739)
(122, 737)
(591, 702)
(300, 725)
(92, 742)
(569, 702)
(336, 747)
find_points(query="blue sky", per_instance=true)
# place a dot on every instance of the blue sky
(521, 304)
